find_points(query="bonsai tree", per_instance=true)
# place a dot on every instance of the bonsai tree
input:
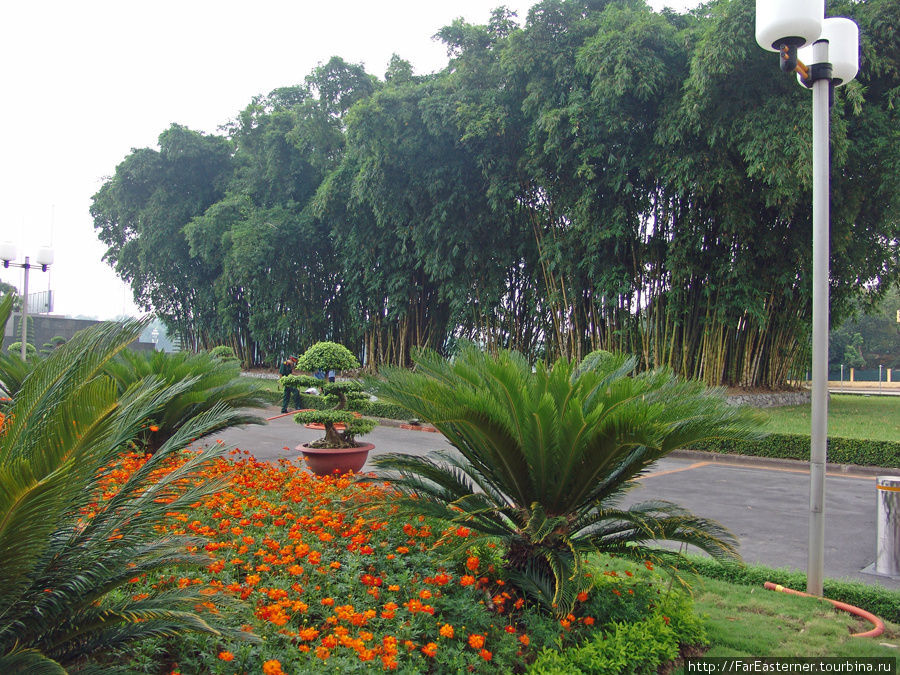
(544, 457)
(327, 356)
(353, 426)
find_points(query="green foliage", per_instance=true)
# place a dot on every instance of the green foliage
(353, 426)
(882, 602)
(327, 356)
(544, 455)
(16, 348)
(794, 446)
(592, 180)
(382, 409)
(223, 353)
(13, 370)
(871, 336)
(141, 213)
(207, 383)
(65, 559)
(299, 381)
(637, 648)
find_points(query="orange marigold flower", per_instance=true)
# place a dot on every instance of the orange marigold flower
(425, 594)
(466, 580)
(430, 649)
(582, 596)
(446, 631)
(588, 621)
(323, 653)
(524, 639)
(308, 634)
(273, 667)
(226, 656)
(485, 654)
(510, 630)
(472, 562)
(476, 641)
(154, 428)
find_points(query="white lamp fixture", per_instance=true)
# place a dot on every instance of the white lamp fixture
(7, 252)
(44, 257)
(843, 49)
(784, 26)
(794, 23)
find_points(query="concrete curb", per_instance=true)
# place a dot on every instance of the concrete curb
(779, 463)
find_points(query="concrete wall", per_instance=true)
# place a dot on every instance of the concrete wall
(43, 327)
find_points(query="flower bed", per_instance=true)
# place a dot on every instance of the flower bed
(327, 574)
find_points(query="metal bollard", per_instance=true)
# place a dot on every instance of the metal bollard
(887, 541)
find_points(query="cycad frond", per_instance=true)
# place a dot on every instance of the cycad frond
(546, 453)
(68, 423)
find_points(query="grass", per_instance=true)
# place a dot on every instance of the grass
(751, 621)
(870, 417)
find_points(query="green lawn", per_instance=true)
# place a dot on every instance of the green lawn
(872, 417)
(753, 621)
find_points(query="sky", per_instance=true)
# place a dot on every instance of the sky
(86, 82)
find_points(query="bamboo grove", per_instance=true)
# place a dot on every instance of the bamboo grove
(598, 176)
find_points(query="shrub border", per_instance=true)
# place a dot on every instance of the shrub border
(795, 446)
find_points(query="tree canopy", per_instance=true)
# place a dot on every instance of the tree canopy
(602, 177)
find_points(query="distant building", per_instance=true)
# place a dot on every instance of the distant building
(42, 328)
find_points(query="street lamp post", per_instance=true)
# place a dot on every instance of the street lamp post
(43, 260)
(795, 29)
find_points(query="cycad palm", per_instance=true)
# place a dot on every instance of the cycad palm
(206, 382)
(546, 454)
(65, 424)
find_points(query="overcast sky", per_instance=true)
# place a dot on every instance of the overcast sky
(85, 82)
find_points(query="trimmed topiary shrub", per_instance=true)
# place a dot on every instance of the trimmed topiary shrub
(334, 437)
(327, 356)
(223, 353)
(382, 409)
(16, 348)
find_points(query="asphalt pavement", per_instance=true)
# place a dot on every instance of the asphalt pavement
(766, 505)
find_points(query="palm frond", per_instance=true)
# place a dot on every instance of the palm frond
(545, 454)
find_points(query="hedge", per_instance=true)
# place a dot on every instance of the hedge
(882, 602)
(795, 446)
(381, 409)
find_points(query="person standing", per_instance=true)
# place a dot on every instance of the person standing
(287, 368)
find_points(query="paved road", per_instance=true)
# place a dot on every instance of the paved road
(765, 506)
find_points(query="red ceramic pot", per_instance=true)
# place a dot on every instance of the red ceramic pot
(327, 461)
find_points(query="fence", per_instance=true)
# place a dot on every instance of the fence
(864, 375)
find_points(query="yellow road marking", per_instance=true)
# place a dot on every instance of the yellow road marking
(684, 468)
(698, 465)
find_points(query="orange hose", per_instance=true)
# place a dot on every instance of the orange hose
(878, 623)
